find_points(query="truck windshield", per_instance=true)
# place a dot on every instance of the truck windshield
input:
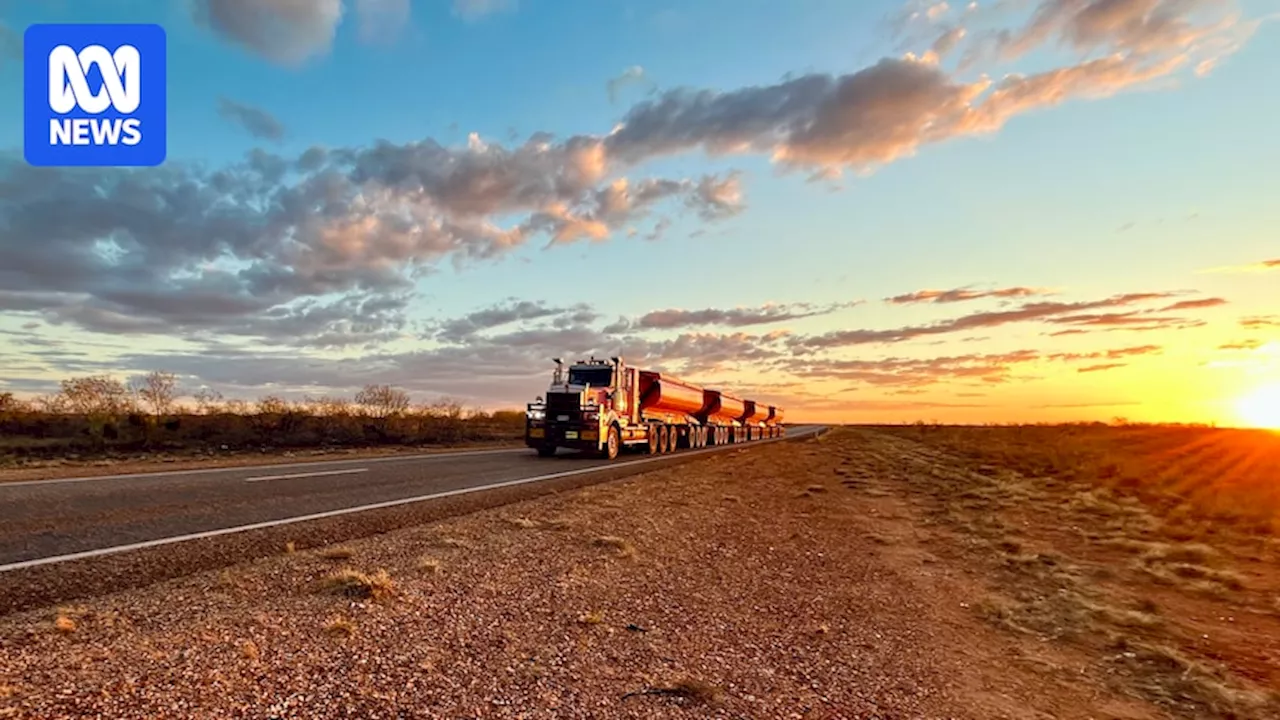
(594, 376)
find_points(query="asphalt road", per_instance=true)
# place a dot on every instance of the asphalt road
(49, 521)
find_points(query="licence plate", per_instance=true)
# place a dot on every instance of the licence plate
(562, 418)
(537, 432)
(571, 435)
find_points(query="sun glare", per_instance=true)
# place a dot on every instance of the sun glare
(1262, 407)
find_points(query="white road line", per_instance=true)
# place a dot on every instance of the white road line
(252, 468)
(351, 471)
(377, 506)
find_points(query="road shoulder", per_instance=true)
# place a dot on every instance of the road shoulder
(755, 583)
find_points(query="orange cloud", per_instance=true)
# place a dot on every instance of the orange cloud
(1100, 368)
(1264, 266)
(963, 294)
(987, 368)
(1042, 311)
(1259, 322)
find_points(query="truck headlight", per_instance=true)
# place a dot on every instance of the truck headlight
(536, 414)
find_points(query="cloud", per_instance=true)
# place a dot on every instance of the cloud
(294, 32)
(381, 19)
(734, 317)
(259, 123)
(1258, 267)
(994, 368)
(289, 32)
(277, 238)
(1194, 304)
(1142, 28)
(1242, 345)
(964, 294)
(468, 326)
(1126, 319)
(863, 120)
(1101, 368)
(948, 41)
(630, 76)
(1039, 311)
(1260, 322)
(471, 10)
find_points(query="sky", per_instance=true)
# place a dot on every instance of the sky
(1000, 211)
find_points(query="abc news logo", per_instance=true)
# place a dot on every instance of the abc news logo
(69, 89)
(95, 95)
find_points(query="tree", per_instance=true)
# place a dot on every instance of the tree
(158, 390)
(95, 395)
(101, 399)
(383, 401)
(208, 401)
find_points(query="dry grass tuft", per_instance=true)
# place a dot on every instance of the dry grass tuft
(622, 545)
(1194, 577)
(1181, 553)
(595, 617)
(525, 523)
(1124, 618)
(1127, 544)
(816, 489)
(352, 583)
(64, 624)
(688, 689)
(1174, 678)
(340, 627)
(451, 542)
(338, 553)
(249, 650)
(229, 580)
(290, 547)
(429, 565)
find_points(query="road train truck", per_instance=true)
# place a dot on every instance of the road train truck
(603, 406)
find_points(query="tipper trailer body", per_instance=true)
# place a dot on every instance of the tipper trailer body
(604, 406)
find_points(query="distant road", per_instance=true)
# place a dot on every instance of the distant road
(50, 521)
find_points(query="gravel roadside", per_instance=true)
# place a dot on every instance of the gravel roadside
(772, 582)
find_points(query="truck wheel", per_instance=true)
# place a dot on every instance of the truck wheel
(673, 439)
(546, 451)
(655, 440)
(612, 444)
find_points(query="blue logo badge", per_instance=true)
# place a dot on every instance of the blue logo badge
(94, 95)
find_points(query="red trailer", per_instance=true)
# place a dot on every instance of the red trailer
(604, 406)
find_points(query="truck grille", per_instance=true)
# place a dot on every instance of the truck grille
(562, 404)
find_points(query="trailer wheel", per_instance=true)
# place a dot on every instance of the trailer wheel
(673, 439)
(660, 432)
(612, 444)
(655, 442)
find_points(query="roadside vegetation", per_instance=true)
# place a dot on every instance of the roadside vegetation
(1153, 550)
(100, 415)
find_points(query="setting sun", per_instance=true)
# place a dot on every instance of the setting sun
(1262, 407)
